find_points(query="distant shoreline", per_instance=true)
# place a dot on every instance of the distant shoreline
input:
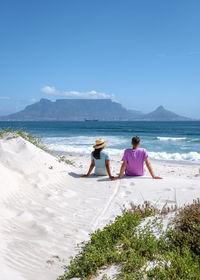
(170, 121)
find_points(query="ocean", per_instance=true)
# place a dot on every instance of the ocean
(163, 140)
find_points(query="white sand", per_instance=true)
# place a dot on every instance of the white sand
(46, 208)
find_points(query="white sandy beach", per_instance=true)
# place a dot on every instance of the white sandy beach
(46, 208)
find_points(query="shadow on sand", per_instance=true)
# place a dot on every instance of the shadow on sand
(77, 175)
(106, 179)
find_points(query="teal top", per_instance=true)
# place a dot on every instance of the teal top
(101, 163)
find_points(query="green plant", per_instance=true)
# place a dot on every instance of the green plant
(139, 253)
(186, 232)
(106, 277)
(32, 139)
(63, 159)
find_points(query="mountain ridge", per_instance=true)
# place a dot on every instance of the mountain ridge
(82, 109)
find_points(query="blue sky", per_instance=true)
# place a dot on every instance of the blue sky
(141, 53)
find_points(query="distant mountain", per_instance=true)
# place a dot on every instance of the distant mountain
(161, 114)
(72, 110)
(134, 114)
(87, 109)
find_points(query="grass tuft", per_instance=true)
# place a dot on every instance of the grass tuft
(66, 161)
(15, 133)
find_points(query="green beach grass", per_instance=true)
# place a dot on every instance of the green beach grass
(32, 139)
(138, 252)
(35, 141)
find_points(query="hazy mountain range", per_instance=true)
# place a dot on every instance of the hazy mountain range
(87, 109)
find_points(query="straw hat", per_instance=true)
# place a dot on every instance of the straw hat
(100, 143)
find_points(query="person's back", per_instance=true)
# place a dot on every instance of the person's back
(134, 159)
(100, 163)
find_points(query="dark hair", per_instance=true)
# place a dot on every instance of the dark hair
(96, 153)
(135, 140)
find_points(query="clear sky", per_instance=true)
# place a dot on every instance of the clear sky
(142, 53)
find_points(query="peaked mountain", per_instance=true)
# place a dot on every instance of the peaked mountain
(72, 110)
(161, 114)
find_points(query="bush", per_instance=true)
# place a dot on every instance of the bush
(175, 255)
(186, 232)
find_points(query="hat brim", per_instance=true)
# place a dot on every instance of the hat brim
(100, 146)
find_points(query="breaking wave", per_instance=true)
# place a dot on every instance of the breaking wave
(171, 138)
(195, 140)
(191, 156)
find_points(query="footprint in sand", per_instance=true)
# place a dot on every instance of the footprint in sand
(189, 189)
(192, 188)
(168, 201)
(24, 216)
(168, 189)
(128, 192)
(68, 193)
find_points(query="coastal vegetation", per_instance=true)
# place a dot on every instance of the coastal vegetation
(65, 160)
(32, 139)
(137, 243)
(29, 137)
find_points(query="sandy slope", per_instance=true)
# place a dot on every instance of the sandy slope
(46, 208)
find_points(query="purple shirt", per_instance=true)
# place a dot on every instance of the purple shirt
(135, 161)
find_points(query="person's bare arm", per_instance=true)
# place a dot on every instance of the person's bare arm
(108, 168)
(148, 164)
(122, 169)
(90, 169)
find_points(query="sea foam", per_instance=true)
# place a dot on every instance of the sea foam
(192, 156)
(171, 138)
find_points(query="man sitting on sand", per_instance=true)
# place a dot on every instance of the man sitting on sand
(133, 161)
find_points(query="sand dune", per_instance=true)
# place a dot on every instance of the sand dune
(46, 208)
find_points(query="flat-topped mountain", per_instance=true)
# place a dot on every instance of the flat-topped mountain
(87, 109)
(72, 110)
(161, 114)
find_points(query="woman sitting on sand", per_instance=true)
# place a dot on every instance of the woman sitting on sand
(100, 160)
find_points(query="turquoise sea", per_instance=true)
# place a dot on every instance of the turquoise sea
(163, 140)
